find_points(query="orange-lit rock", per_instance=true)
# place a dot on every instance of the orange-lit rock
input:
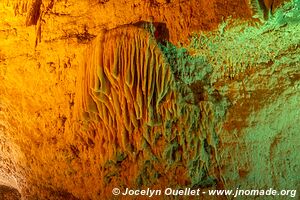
(88, 102)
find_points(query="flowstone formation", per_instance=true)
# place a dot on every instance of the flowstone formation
(148, 94)
(135, 111)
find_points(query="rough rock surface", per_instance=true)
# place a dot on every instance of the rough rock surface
(240, 112)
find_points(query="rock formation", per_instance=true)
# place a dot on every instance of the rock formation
(99, 94)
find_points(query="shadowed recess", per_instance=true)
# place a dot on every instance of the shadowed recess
(9, 193)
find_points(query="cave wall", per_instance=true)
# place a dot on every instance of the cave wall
(230, 124)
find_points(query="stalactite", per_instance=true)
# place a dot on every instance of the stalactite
(263, 8)
(19, 6)
(33, 13)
